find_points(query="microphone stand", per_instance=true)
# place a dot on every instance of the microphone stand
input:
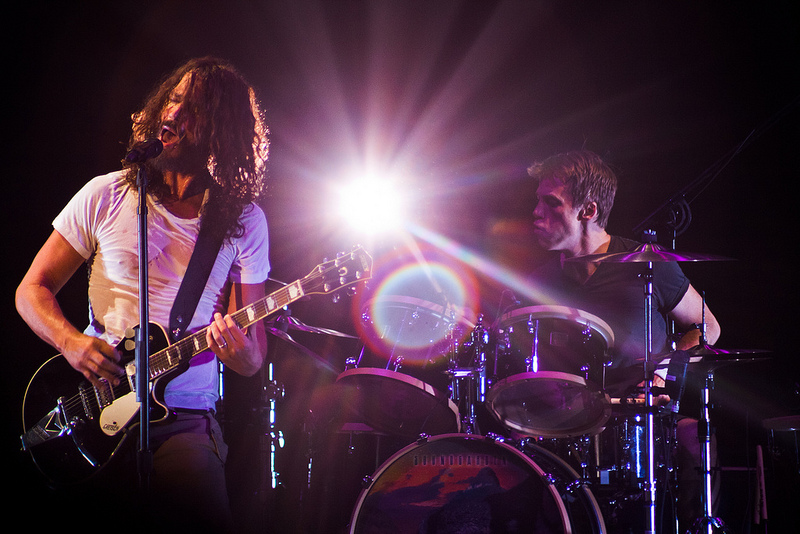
(139, 153)
(144, 463)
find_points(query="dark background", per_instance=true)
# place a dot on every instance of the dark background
(462, 96)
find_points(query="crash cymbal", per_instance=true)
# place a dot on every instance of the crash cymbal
(647, 253)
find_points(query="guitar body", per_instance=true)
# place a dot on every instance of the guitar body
(76, 437)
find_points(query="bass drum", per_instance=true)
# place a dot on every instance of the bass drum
(471, 483)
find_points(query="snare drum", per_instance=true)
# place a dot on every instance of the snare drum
(549, 370)
(470, 483)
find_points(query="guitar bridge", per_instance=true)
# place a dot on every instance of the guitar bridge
(52, 425)
(104, 394)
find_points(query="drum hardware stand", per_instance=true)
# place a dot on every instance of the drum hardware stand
(474, 374)
(273, 392)
(650, 483)
(705, 431)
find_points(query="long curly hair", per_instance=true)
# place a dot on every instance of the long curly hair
(232, 133)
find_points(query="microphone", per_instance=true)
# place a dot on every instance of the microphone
(144, 150)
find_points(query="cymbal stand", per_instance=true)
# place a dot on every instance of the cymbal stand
(708, 522)
(650, 483)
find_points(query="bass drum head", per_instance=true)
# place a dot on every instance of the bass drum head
(460, 483)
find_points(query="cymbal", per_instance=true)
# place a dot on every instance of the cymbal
(708, 356)
(319, 360)
(647, 253)
(297, 324)
(711, 352)
(788, 422)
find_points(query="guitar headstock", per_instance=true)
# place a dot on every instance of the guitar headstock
(347, 270)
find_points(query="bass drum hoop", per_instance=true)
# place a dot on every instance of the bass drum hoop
(568, 484)
(546, 478)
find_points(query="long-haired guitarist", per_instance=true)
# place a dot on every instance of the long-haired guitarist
(210, 173)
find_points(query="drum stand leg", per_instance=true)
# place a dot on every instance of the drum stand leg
(708, 523)
(650, 483)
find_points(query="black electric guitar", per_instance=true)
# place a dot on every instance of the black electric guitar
(73, 429)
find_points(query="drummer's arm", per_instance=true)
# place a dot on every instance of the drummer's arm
(689, 312)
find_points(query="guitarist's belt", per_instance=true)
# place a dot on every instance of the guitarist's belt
(194, 411)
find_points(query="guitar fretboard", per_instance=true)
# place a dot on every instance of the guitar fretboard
(167, 359)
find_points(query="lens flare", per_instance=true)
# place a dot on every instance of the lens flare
(416, 310)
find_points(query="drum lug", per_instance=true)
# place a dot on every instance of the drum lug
(496, 438)
(366, 481)
(574, 486)
(587, 334)
(585, 370)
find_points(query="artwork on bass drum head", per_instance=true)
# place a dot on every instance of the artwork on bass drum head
(466, 482)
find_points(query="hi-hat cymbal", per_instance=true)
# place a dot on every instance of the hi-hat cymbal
(711, 357)
(646, 253)
(710, 351)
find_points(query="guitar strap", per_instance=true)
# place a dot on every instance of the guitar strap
(203, 257)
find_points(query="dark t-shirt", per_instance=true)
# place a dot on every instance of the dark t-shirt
(616, 294)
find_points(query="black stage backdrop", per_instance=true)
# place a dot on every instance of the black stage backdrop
(462, 96)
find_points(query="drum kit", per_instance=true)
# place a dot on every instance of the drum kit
(558, 453)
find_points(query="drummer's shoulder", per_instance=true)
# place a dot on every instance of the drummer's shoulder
(621, 244)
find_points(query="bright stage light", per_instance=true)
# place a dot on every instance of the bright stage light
(371, 205)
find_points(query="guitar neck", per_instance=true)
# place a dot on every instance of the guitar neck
(171, 357)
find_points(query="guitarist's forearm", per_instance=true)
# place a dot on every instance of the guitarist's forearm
(38, 307)
(92, 357)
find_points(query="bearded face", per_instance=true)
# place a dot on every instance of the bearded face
(182, 152)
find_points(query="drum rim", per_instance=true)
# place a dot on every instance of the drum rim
(586, 487)
(574, 315)
(468, 437)
(513, 380)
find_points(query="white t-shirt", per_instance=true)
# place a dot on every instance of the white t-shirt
(101, 223)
